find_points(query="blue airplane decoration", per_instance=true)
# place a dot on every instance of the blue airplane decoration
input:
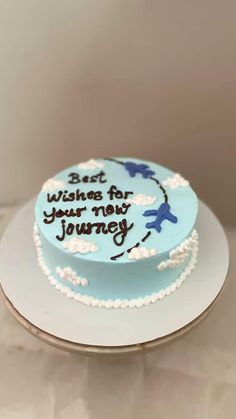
(163, 213)
(134, 168)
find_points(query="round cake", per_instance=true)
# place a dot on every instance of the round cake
(116, 232)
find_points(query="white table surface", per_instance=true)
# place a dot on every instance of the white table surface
(192, 378)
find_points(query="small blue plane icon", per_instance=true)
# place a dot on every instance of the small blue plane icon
(134, 168)
(161, 214)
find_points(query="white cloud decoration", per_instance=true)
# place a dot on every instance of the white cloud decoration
(141, 199)
(91, 165)
(175, 181)
(52, 184)
(75, 245)
(71, 276)
(178, 255)
(141, 253)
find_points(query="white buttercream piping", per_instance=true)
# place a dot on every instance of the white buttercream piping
(141, 200)
(178, 255)
(71, 276)
(91, 165)
(118, 303)
(52, 184)
(76, 245)
(175, 181)
(141, 253)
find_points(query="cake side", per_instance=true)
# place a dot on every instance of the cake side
(139, 288)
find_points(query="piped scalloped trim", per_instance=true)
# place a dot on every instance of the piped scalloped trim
(71, 276)
(118, 303)
(178, 255)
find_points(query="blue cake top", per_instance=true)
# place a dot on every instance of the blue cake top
(102, 209)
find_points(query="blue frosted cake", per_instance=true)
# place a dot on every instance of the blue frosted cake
(116, 233)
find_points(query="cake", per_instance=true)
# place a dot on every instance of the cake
(116, 232)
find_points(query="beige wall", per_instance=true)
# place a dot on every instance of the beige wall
(153, 79)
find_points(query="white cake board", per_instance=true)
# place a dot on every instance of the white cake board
(71, 325)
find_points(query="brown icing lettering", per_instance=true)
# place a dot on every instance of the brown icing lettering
(110, 209)
(61, 238)
(75, 178)
(74, 196)
(120, 229)
(54, 197)
(120, 236)
(114, 192)
(50, 218)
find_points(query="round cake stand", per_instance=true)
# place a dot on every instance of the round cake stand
(72, 326)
